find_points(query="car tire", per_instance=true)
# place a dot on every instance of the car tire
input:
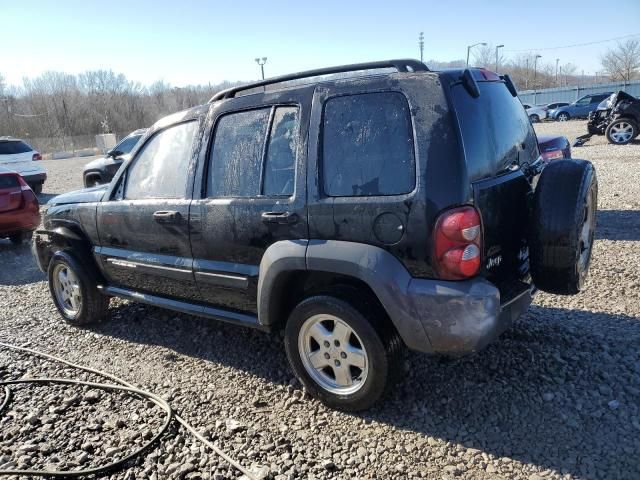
(74, 291)
(621, 131)
(36, 187)
(361, 360)
(533, 118)
(563, 226)
(18, 238)
(563, 117)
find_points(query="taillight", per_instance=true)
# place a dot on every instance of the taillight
(458, 243)
(552, 155)
(36, 156)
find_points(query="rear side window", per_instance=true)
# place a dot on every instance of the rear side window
(9, 181)
(161, 168)
(367, 145)
(495, 129)
(14, 146)
(241, 165)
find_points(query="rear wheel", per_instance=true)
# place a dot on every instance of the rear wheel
(563, 117)
(563, 226)
(533, 118)
(18, 238)
(621, 131)
(74, 291)
(36, 187)
(343, 358)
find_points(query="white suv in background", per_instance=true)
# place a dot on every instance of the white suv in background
(19, 156)
(536, 113)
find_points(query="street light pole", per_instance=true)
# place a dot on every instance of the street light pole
(470, 47)
(535, 68)
(497, 47)
(421, 45)
(261, 62)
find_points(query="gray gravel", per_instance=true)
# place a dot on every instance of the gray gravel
(557, 396)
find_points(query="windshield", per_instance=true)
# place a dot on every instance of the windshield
(126, 145)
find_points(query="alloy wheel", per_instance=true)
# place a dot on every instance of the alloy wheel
(621, 132)
(66, 287)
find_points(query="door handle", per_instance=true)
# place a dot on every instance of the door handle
(167, 216)
(282, 218)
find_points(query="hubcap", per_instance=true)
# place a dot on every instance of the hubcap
(333, 354)
(67, 290)
(621, 132)
(586, 235)
(562, 117)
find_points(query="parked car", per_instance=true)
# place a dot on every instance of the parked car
(578, 109)
(19, 208)
(536, 113)
(102, 170)
(554, 147)
(360, 215)
(19, 156)
(617, 117)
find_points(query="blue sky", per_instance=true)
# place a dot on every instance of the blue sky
(196, 41)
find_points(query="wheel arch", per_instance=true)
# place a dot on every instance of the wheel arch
(291, 270)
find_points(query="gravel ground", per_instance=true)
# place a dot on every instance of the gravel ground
(557, 396)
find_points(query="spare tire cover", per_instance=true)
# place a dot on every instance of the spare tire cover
(563, 226)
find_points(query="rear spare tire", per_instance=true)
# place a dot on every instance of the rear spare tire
(563, 225)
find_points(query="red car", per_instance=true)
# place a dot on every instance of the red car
(19, 208)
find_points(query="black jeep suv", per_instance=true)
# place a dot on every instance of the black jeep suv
(361, 214)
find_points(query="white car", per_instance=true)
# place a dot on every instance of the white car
(19, 156)
(536, 113)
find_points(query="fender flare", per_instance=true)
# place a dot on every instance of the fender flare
(380, 270)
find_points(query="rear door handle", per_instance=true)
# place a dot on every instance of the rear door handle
(167, 216)
(282, 218)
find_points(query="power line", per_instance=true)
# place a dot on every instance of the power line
(575, 44)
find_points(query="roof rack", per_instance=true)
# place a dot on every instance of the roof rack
(403, 65)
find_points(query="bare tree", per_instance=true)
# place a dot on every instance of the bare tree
(623, 61)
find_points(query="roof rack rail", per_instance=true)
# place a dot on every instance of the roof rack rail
(402, 65)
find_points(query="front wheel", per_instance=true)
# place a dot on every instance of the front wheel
(74, 291)
(621, 131)
(344, 359)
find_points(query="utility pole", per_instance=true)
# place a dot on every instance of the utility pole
(526, 75)
(557, 60)
(497, 47)
(421, 45)
(261, 62)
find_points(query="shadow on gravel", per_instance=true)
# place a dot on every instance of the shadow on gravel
(17, 265)
(560, 390)
(618, 225)
(45, 197)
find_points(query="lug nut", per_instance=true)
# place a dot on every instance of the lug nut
(336, 343)
(327, 344)
(343, 355)
(327, 356)
(337, 362)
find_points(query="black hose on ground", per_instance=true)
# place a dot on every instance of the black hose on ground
(122, 386)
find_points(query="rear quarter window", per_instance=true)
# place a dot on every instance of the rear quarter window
(495, 129)
(367, 145)
(14, 147)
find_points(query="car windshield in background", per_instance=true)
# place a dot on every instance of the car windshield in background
(14, 146)
(126, 145)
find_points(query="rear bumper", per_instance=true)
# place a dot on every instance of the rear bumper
(18, 221)
(35, 177)
(464, 317)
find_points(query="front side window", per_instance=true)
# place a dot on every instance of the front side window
(160, 170)
(126, 145)
(367, 146)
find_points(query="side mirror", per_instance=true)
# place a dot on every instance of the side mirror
(114, 153)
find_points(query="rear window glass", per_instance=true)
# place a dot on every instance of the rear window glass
(8, 181)
(367, 146)
(496, 131)
(13, 147)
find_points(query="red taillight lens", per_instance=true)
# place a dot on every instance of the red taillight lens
(458, 243)
(36, 156)
(552, 155)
